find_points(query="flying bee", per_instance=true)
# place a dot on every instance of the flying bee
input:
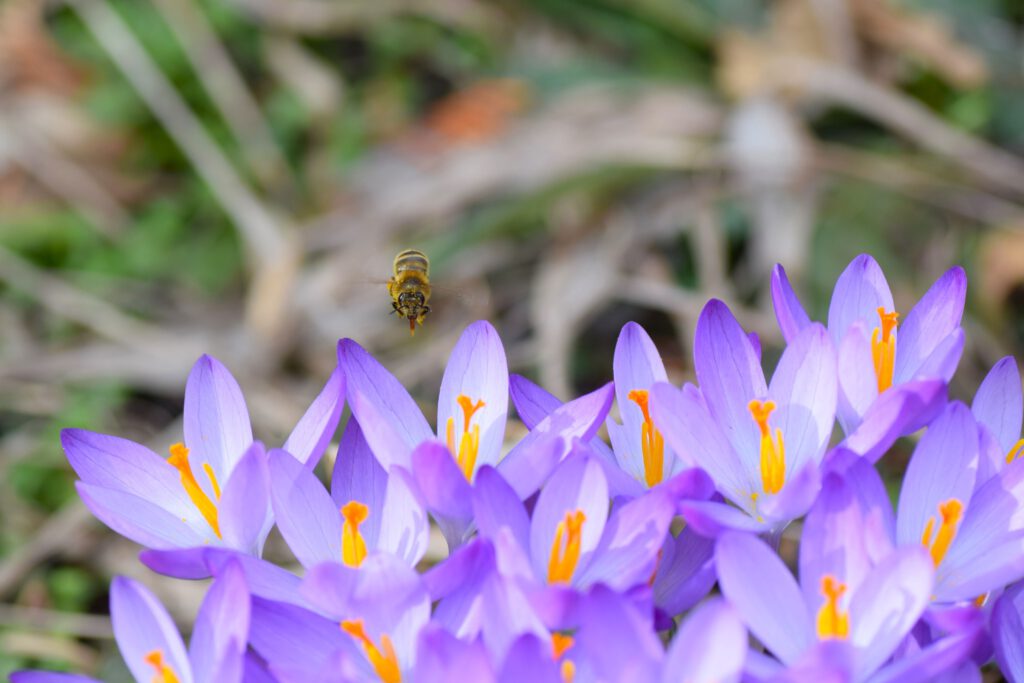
(409, 287)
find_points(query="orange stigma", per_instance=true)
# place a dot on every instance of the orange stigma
(559, 644)
(383, 659)
(164, 673)
(207, 508)
(469, 442)
(883, 348)
(773, 450)
(1015, 451)
(951, 511)
(353, 546)
(832, 622)
(652, 442)
(565, 551)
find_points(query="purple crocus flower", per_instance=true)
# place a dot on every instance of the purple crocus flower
(1007, 630)
(998, 407)
(760, 443)
(876, 354)
(152, 647)
(212, 490)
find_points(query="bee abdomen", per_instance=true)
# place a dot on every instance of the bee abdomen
(411, 260)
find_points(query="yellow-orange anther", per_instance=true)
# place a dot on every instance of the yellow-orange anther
(773, 450)
(353, 546)
(559, 644)
(207, 508)
(951, 511)
(1015, 451)
(383, 659)
(469, 442)
(832, 621)
(883, 348)
(652, 443)
(164, 673)
(565, 551)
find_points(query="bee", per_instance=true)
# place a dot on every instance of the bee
(409, 287)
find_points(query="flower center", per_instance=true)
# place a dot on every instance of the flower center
(164, 673)
(207, 508)
(565, 551)
(832, 622)
(559, 644)
(353, 546)
(773, 450)
(384, 663)
(883, 348)
(951, 511)
(651, 441)
(469, 441)
(1015, 451)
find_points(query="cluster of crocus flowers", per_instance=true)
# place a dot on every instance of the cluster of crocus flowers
(661, 554)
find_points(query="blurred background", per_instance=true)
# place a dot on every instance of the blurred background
(236, 176)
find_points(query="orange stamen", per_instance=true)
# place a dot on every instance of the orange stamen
(207, 508)
(559, 644)
(883, 348)
(652, 443)
(950, 511)
(773, 451)
(565, 551)
(353, 546)
(469, 441)
(384, 663)
(164, 673)
(832, 622)
(1015, 451)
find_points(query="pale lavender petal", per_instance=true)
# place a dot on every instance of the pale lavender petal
(860, 290)
(292, 638)
(711, 519)
(998, 404)
(944, 358)
(943, 466)
(441, 657)
(496, 505)
(245, 512)
(686, 572)
(858, 383)
(1007, 627)
(729, 374)
(478, 369)
(759, 586)
(628, 552)
(873, 498)
(804, 387)
(507, 616)
(932, 319)
(316, 427)
(991, 456)
(901, 410)
(887, 605)
(636, 365)
(627, 450)
(391, 421)
(221, 629)
(183, 563)
(533, 403)
(308, 519)
(115, 463)
(710, 646)
(405, 529)
(476, 558)
(530, 462)
(755, 343)
(359, 476)
(48, 677)
(616, 638)
(142, 625)
(577, 484)
(381, 591)
(529, 659)
(936, 662)
(446, 493)
(264, 579)
(141, 521)
(788, 311)
(217, 429)
(795, 498)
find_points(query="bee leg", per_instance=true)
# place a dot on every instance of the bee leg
(394, 307)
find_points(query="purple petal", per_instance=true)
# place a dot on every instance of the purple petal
(217, 429)
(616, 638)
(901, 410)
(508, 616)
(628, 551)
(578, 484)
(263, 579)
(292, 638)
(1007, 627)
(446, 492)
(998, 405)
(392, 423)
(936, 662)
(530, 462)
(944, 358)
(533, 403)
(865, 482)
(441, 657)
(221, 629)
(475, 559)
(244, 511)
(859, 292)
(496, 506)
(759, 586)
(404, 530)
(858, 383)
(729, 374)
(710, 646)
(316, 427)
(139, 520)
(48, 677)
(529, 659)
(306, 516)
(795, 498)
(359, 476)
(887, 605)
(636, 365)
(935, 317)
(477, 368)
(788, 311)
(142, 625)
(943, 466)
(686, 572)
(711, 519)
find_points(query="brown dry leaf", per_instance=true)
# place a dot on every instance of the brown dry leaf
(1000, 266)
